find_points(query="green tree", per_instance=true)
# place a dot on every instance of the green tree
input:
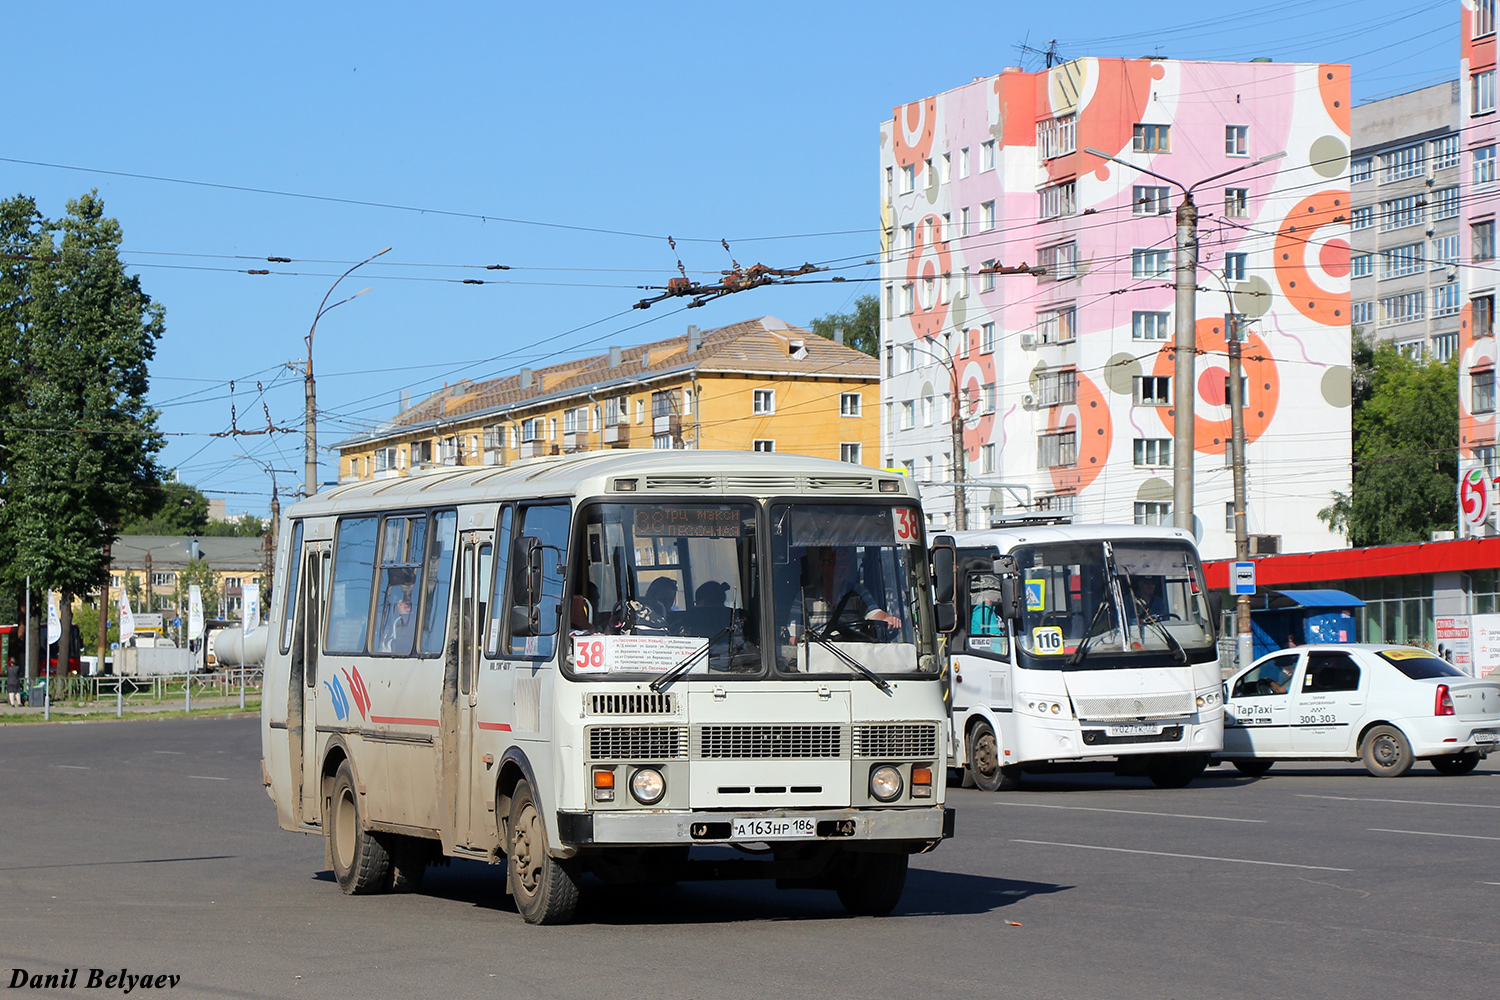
(244, 526)
(861, 327)
(79, 441)
(1405, 425)
(175, 509)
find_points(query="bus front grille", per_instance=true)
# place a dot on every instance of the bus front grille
(632, 704)
(637, 742)
(896, 741)
(768, 742)
(1144, 706)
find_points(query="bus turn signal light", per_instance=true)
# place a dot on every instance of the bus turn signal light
(604, 785)
(921, 782)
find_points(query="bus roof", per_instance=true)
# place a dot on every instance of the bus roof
(1007, 538)
(677, 472)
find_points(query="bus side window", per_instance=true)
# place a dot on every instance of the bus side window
(549, 526)
(986, 630)
(293, 573)
(496, 633)
(353, 584)
(439, 581)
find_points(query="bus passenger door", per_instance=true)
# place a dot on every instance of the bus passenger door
(314, 566)
(475, 776)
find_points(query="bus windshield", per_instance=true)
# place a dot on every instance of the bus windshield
(846, 582)
(656, 583)
(1098, 604)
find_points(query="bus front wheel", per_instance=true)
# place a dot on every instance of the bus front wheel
(984, 761)
(1176, 770)
(360, 863)
(870, 885)
(545, 888)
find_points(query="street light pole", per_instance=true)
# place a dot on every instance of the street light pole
(310, 442)
(1184, 340)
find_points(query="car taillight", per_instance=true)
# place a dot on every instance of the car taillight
(1443, 704)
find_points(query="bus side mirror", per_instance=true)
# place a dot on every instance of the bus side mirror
(1010, 587)
(944, 584)
(526, 557)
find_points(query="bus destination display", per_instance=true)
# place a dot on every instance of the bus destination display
(689, 522)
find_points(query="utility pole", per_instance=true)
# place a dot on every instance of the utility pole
(310, 428)
(1184, 342)
(956, 425)
(1244, 641)
(104, 610)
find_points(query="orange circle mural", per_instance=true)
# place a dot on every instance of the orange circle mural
(1262, 386)
(1089, 418)
(915, 124)
(1312, 257)
(925, 267)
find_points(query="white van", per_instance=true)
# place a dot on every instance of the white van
(1385, 705)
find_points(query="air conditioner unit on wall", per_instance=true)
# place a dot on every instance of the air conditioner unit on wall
(1265, 545)
(1028, 340)
(1028, 401)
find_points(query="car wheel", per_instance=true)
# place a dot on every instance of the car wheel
(1254, 768)
(1456, 763)
(984, 761)
(1386, 752)
(1176, 770)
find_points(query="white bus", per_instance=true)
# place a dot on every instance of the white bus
(1106, 656)
(629, 663)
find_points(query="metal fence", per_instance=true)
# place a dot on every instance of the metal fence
(154, 689)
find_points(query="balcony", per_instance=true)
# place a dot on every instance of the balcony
(671, 424)
(617, 436)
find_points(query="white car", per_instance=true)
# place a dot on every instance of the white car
(1384, 705)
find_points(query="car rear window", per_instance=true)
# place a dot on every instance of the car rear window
(1419, 664)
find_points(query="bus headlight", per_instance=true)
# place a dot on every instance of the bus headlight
(885, 783)
(647, 786)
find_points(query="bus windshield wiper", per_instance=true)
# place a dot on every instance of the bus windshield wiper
(864, 671)
(685, 664)
(1088, 637)
(1178, 652)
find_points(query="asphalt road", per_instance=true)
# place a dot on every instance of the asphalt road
(150, 846)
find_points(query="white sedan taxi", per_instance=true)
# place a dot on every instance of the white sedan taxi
(1384, 705)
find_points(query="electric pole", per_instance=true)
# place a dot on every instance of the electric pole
(1244, 640)
(1185, 343)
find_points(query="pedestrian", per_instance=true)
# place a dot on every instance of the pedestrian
(14, 656)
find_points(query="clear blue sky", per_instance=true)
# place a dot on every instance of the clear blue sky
(752, 122)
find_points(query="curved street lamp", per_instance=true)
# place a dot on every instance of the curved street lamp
(310, 444)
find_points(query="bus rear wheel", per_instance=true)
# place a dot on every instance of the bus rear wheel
(1176, 770)
(545, 888)
(984, 761)
(870, 885)
(360, 863)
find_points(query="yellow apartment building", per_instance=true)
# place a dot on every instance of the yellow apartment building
(758, 385)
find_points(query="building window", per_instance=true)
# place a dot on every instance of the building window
(963, 221)
(1149, 326)
(1484, 17)
(1445, 300)
(927, 408)
(1151, 200)
(1059, 262)
(1362, 313)
(1153, 390)
(908, 237)
(1483, 397)
(1153, 453)
(1360, 265)
(1399, 164)
(1400, 261)
(1229, 517)
(1483, 315)
(1484, 240)
(987, 155)
(385, 458)
(908, 415)
(908, 179)
(908, 299)
(1152, 139)
(929, 172)
(1057, 450)
(987, 458)
(1150, 264)
(1057, 136)
(1359, 171)
(1483, 92)
(1445, 152)
(945, 168)
(1236, 140)
(763, 444)
(1445, 251)
(986, 216)
(850, 404)
(1406, 308)
(1059, 200)
(1059, 503)
(1445, 203)
(421, 452)
(849, 452)
(987, 275)
(987, 399)
(1484, 165)
(1057, 388)
(763, 401)
(163, 579)
(1234, 266)
(1444, 346)
(963, 162)
(1401, 212)
(1362, 218)
(1237, 203)
(987, 338)
(909, 358)
(1157, 512)
(1057, 326)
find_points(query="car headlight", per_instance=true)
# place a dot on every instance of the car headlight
(885, 783)
(647, 786)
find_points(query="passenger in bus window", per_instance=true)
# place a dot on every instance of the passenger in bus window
(399, 628)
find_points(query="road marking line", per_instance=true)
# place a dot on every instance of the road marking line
(73, 767)
(1489, 883)
(1429, 833)
(174, 753)
(1404, 802)
(207, 777)
(1130, 812)
(1195, 857)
